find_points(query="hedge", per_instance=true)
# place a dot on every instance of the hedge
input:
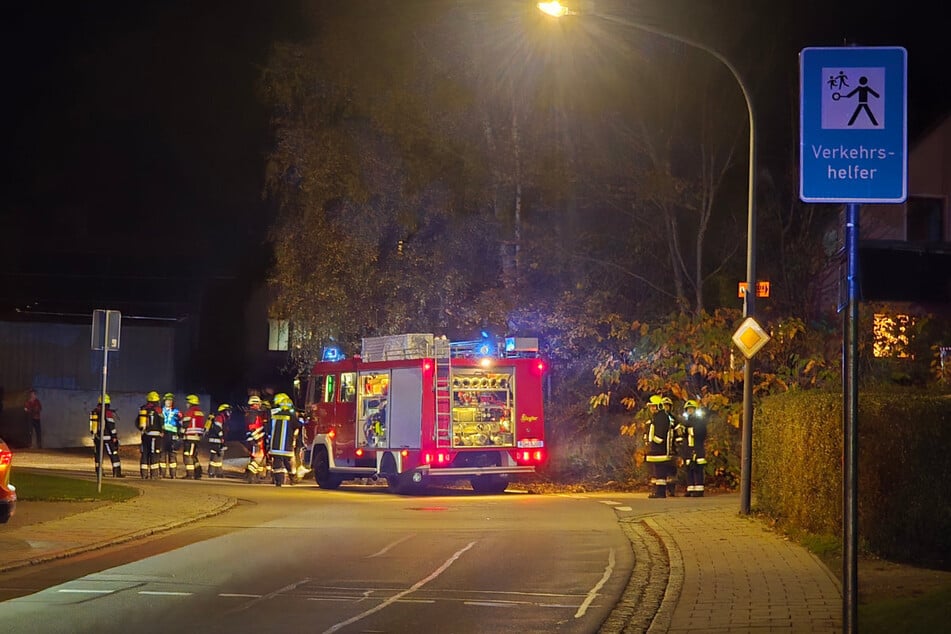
(904, 458)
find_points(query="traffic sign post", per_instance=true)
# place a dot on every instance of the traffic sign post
(853, 145)
(106, 325)
(853, 132)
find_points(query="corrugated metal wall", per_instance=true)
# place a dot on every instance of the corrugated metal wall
(47, 355)
(56, 360)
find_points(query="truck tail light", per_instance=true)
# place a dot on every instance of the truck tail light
(6, 457)
(530, 456)
(439, 458)
(359, 452)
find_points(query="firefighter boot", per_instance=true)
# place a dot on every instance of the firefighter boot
(198, 471)
(278, 479)
(144, 471)
(117, 472)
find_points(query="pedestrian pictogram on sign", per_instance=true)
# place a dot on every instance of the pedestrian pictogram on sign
(750, 337)
(846, 107)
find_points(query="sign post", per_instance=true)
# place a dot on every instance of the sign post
(853, 144)
(105, 337)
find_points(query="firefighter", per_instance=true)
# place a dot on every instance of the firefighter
(171, 434)
(215, 432)
(149, 422)
(658, 457)
(675, 438)
(257, 449)
(694, 450)
(105, 425)
(193, 428)
(282, 436)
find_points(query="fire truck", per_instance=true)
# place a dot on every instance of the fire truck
(415, 407)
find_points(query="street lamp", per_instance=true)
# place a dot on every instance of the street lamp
(556, 9)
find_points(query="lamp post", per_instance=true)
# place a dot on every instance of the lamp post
(556, 9)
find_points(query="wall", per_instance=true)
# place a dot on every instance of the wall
(65, 419)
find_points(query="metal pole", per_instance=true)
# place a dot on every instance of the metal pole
(746, 456)
(850, 440)
(102, 404)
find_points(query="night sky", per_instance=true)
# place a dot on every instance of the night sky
(129, 125)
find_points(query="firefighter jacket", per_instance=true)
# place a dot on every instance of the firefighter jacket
(150, 419)
(696, 438)
(215, 428)
(256, 425)
(172, 420)
(109, 426)
(283, 431)
(193, 423)
(657, 437)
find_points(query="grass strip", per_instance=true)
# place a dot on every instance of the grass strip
(38, 487)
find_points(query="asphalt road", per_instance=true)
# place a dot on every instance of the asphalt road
(352, 560)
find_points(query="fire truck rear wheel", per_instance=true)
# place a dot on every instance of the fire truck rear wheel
(325, 479)
(489, 484)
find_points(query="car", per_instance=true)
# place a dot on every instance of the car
(8, 492)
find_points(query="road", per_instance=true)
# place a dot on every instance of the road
(353, 560)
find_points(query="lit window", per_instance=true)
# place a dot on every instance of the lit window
(890, 334)
(278, 330)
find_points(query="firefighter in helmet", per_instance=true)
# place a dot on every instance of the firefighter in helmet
(658, 457)
(282, 437)
(171, 435)
(102, 426)
(193, 428)
(695, 454)
(215, 433)
(149, 423)
(257, 418)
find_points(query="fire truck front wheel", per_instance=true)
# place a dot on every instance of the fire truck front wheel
(321, 464)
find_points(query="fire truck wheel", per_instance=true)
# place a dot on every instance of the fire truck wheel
(325, 479)
(489, 484)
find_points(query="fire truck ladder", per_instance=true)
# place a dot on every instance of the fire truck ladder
(443, 430)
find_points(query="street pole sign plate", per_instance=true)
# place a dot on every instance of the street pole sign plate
(750, 337)
(853, 132)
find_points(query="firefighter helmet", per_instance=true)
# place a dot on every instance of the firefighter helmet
(168, 396)
(108, 400)
(223, 407)
(281, 399)
(192, 399)
(152, 397)
(691, 403)
(254, 400)
(655, 400)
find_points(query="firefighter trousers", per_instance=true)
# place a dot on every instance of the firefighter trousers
(216, 460)
(111, 445)
(281, 466)
(150, 449)
(168, 458)
(190, 458)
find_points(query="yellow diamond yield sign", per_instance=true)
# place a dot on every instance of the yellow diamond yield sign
(750, 337)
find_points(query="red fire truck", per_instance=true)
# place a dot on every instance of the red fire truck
(414, 407)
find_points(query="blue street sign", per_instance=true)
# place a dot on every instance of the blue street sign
(853, 132)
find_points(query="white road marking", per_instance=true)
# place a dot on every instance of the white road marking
(597, 587)
(623, 508)
(609, 502)
(84, 591)
(396, 543)
(416, 586)
(271, 595)
(156, 593)
(239, 596)
(491, 604)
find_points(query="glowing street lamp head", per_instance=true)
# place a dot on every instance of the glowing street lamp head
(554, 9)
